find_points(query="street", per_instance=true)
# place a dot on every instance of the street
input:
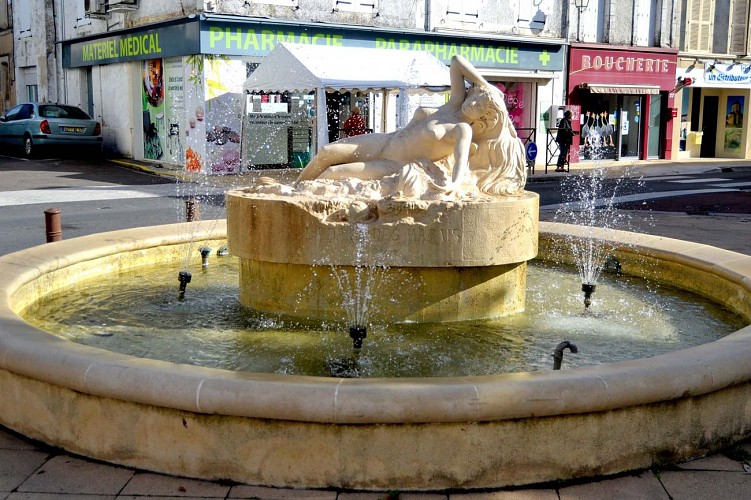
(92, 196)
(709, 205)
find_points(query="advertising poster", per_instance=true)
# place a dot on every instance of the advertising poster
(734, 124)
(224, 103)
(175, 110)
(153, 109)
(195, 129)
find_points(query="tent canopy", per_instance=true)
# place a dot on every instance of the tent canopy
(304, 68)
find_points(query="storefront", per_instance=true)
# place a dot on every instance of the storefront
(712, 102)
(185, 80)
(625, 96)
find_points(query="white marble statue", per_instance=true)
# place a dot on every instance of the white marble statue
(465, 148)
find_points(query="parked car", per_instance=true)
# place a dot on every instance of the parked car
(33, 125)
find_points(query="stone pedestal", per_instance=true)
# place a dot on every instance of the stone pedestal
(394, 260)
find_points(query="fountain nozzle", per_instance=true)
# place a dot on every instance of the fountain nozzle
(588, 291)
(184, 278)
(558, 354)
(205, 252)
(357, 333)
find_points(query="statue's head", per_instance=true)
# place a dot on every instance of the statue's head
(486, 111)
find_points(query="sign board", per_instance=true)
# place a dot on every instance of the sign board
(531, 151)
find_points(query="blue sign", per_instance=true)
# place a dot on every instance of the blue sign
(531, 151)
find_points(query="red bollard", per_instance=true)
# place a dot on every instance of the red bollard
(192, 210)
(53, 224)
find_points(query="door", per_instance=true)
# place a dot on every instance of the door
(655, 131)
(630, 124)
(709, 126)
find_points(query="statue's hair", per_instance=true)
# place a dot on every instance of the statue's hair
(506, 173)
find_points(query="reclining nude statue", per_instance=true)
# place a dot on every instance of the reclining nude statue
(465, 148)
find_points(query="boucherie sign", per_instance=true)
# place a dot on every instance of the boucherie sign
(625, 64)
(644, 66)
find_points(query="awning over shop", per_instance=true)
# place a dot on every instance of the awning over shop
(597, 88)
(304, 68)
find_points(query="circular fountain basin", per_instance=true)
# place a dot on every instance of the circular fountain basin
(372, 434)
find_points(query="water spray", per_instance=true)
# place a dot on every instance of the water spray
(588, 290)
(205, 252)
(558, 354)
(357, 333)
(184, 278)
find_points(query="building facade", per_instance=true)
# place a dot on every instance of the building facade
(714, 76)
(7, 61)
(165, 78)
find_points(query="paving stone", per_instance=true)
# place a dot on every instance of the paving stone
(56, 496)
(170, 486)
(712, 462)
(363, 496)
(423, 496)
(640, 486)
(68, 475)
(10, 441)
(710, 485)
(263, 493)
(17, 465)
(526, 494)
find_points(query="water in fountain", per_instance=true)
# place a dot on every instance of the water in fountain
(215, 330)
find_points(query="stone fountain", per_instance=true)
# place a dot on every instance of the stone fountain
(448, 220)
(383, 433)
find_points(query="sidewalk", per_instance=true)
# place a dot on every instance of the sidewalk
(32, 471)
(632, 168)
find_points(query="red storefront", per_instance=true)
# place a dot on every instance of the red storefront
(625, 95)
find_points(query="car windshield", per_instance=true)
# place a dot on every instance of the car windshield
(62, 111)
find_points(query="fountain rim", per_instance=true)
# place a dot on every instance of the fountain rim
(29, 352)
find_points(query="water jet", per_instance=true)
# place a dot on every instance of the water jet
(558, 353)
(184, 277)
(588, 290)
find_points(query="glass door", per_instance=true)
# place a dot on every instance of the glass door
(630, 124)
(654, 132)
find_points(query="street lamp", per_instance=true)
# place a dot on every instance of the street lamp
(580, 5)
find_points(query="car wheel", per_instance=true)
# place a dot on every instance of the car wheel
(28, 146)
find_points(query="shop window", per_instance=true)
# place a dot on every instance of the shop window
(367, 6)
(519, 103)
(466, 11)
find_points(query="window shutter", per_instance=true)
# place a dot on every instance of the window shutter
(699, 25)
(739, 28)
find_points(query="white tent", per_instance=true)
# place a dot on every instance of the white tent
(306, 68)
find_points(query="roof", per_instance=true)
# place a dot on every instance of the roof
(303, 68)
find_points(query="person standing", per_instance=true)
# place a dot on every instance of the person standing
(355, 124)
(564, 138)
